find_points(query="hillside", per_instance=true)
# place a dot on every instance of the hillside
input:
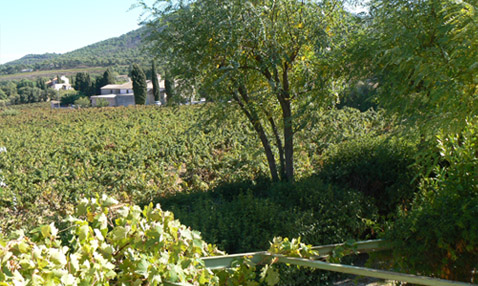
(119, 51)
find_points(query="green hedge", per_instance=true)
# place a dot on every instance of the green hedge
(380, 168)
(245, 216)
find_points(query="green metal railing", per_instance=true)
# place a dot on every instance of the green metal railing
(221, 262)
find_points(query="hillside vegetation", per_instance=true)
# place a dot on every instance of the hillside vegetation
(119, 51)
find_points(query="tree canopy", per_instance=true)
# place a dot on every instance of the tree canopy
(269, 57)
(424, 55)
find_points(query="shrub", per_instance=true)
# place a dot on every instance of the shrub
(101, 102)
(439, 235)
(245, 216)
(360, 95)
(69, 98)
(378, 167)
(110, 243)
(83, 102)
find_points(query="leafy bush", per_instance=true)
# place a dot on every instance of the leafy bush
(69, 98)
(439, 235)
(379, 167)
(360, 96)
(109, 242)
(119, 244)
(245, 216)
(83, 102)
(101, 102)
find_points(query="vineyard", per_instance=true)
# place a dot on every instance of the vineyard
(353, 174)
(57, 157)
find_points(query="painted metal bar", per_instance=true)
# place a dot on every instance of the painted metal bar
(362, 271)
(221, 262)
(225, 261)
(360, 246)
(166, 283)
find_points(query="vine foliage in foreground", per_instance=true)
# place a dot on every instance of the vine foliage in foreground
(119, 244)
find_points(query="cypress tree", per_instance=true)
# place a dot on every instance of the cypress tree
(83, 83)
(78, 81)
(108, 77)
(168, 89)
(99, 83)
(155, 83)
(139, 84)
(41, 83)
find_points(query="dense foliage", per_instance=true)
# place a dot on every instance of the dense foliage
(423, 55)
(380, 167)
(25, 91)
(109, 243)
(439, 234)
(244, 216)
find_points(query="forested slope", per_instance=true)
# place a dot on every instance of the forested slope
(122, 50)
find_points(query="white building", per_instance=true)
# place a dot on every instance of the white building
(54, 83)
(123, 95)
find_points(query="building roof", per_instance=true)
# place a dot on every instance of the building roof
(104, 96)
(129, 85)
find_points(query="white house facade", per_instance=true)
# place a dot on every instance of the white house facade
(123, 94)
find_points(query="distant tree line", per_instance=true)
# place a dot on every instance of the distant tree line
(86, 86)
(31, 91)
(25, 91)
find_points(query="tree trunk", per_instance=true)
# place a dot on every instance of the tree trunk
(284, 99)
(288, 141)
(279, 146)
(254, 119)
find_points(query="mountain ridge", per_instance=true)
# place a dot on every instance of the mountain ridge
(117, 51)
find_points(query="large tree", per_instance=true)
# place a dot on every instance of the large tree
(424, 57)
(267, 56)
(139, 84)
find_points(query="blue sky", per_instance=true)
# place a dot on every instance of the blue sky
(59, 26)
(41, 26)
